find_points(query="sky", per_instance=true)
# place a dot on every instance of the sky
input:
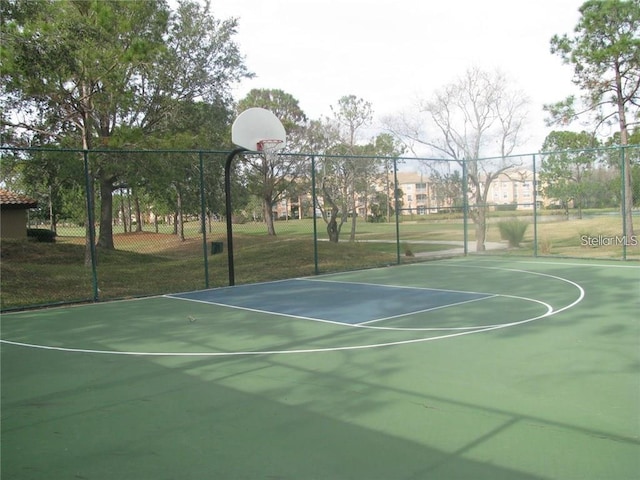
(392, 53)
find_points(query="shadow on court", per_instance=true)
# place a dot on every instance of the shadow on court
(549, 399)
(130, 418)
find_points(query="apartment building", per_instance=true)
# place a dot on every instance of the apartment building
(511, 189)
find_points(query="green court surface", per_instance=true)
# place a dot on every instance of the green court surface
(468, 368)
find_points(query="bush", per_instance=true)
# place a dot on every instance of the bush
(513, 231)
(506, 207)
(41, 235)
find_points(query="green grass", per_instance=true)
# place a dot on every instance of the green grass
(150, 263)
(145, 264)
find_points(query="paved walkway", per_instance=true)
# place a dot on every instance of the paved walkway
(457, 247)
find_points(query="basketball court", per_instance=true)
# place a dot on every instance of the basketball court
(466, 368)
(480, 368)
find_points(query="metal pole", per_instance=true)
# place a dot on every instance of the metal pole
(535, 209)
(315, 220)
(203, 221)
(397, 208)
(227, 194)
(624, 205)
(465, 208)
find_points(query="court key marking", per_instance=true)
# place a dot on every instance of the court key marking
(550, 312)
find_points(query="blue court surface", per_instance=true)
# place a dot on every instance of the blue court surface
(333, 301)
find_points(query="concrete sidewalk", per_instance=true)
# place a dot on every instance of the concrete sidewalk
(457, 247)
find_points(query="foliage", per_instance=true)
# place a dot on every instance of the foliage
(566, 167)
(507, 207)
(41, 235)
(271, 176)
(605, 53)
(447, 188)
(116, 75)
(513, 231)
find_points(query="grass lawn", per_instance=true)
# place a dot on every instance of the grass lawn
(150, 263)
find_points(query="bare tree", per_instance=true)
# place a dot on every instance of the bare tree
(476, 117)
(351, 114)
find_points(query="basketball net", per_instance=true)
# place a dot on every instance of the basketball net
(269, 148)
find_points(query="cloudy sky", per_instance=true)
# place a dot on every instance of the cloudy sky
(392, 52)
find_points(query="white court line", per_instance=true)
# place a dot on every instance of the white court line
(423, 311)
(257, 310)
(476, 327)
(560, 263)
(570, 282)
(365, 324)
(369, 284)
(327, 349)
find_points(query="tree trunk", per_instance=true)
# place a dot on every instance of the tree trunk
(89, 230)
(332, 228)
(268, 215)
(136, 203)
(123, 214)
(627, 199)
(481, 229)
(179, 218)
(354, 213)
(105, 238)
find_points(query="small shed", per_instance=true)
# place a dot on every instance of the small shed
(13, 214)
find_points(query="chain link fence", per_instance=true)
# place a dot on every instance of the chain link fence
(139, 223)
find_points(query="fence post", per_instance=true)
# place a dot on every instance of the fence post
(91, 226)
(397, 208)
(228, 207)
(465, 208)
(314, 207)
(624, 204)
(534, 185)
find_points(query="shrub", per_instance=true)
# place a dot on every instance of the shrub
(506, 207)
(41, 235)
(513, 231)
(545, 245)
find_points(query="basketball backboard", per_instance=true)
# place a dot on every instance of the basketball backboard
(256, 125)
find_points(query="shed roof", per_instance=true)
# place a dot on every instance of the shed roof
(16, 200)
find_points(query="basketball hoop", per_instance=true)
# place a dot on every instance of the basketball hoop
(269, 146)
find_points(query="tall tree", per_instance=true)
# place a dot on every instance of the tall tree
(605, 53)
(113, 71)
(272, 175)
(351, 114)
(475, 117)
(564, 168)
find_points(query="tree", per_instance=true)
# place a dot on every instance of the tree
(272, 174)
(350, 175)
(447, 189)
(478, 116)
(169, 177)
(112, 71)
(605, 53)
(632, 154)
(565, 168)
